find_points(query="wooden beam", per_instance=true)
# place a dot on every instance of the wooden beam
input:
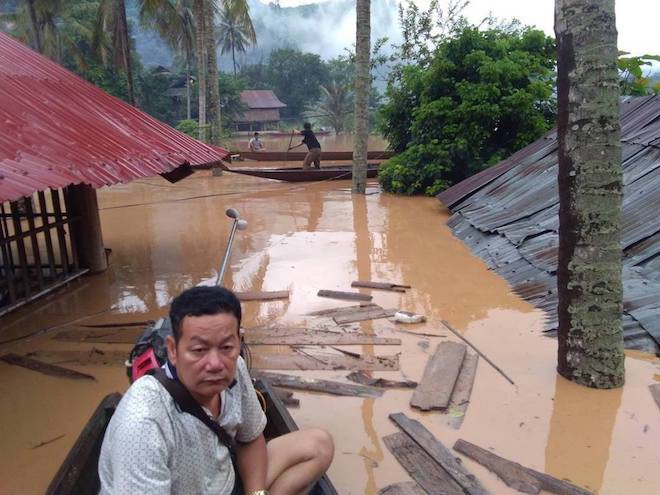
(363, 378)
(364, 314)
(44, 368)
(315, 385)
(435, 389)
(460, 397)
(262, 296)
(368, 284)
(82, 204)
(324, 362)
(332, 312)
(421, 466)
(441, 454)
(349, 296)
(403, 488)
(515, 475)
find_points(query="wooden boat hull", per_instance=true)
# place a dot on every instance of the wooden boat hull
(297, 174)
(281, 156)
(78, 474)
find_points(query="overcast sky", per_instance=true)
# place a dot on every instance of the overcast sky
(638, 21)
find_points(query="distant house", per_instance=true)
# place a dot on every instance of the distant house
(263, 109)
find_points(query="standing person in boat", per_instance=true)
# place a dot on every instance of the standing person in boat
(255, 143)
(152, 447)
(313, 147)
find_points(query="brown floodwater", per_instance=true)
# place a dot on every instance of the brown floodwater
(307, 237)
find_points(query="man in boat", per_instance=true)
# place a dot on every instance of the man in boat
(255, 143)
(152, 447)
(313, 147)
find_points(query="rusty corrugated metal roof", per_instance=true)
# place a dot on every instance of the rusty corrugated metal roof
(508, 215)
(57, 129)
(261, 99)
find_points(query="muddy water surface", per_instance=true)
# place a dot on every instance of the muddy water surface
(303, 238)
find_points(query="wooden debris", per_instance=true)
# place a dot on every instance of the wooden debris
(441, 454)
(262, 296)
(332, 312)
(364, 314)
(348, 353)
(421, 334)
(403, 488)
(118, 336)
(314, 385)
(46, 442)
(349, 296)
(435, 389)
(516, 475)
(460, 397)
(655, 392)
(144, 323)
(45, 368)
(363, 378)
(380, 285)
(287, 398)
(92, 356)
(421, 466)
(449, 327)
(324, 362)
(316, 338)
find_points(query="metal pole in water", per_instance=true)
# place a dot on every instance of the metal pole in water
(238, 224)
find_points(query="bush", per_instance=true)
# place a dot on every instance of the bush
(404, 175)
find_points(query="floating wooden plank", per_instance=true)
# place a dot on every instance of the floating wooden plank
(262, 296)
(323, 362)
(515, 475)
(101, 335)
(421, 466)
(314, 385)
(363, 378)
(368, 284)
(92, 356)
(655, 392)
(441, 454)
(349, 296)
(44, 368)
(460, 397)
(317, 338)
(332, 312)
(435, 388)
(364, 314)
(403, 488)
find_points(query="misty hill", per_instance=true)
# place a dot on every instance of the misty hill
(326, 29)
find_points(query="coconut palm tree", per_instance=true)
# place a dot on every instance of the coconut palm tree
(335, 104)
(214, 110)
(35, 22)
(236, 31)
(590, 191)
(362, 86)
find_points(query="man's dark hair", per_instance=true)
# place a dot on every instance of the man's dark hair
(200, 301)
(307, 126)
(256, 134)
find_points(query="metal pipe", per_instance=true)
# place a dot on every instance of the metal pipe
(238, 224)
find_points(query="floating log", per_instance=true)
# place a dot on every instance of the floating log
(435, 389)
(441, 454)
(515, 475)
(262, 296)
(363, 378)
(403, 488)
(460, 397)
(655, 392)
(324, 362)
(421, 466)
(349, 296)
(368, 284)
(364, 314)
(332, 312)
(44, 368)
(314, 385)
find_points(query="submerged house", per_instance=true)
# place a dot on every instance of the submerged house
(263, 110)
(60, 139)
(508, 215)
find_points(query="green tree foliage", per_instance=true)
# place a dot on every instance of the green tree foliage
(294, 76)
(484, 95)
(235, 31)
(632, 78)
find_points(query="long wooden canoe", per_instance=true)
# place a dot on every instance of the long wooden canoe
(280, 156)
(78, 474)
(297, 174)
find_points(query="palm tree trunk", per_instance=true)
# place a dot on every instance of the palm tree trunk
(200, 22)
(188, 93)
(233, 58)
(590, 190)
(126, 52)
(35, 26)
(362, 84)
(215, 115)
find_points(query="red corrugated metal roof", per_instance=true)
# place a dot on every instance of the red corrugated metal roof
(261, 98)
(57, 129)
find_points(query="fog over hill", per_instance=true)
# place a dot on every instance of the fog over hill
(326, 29)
